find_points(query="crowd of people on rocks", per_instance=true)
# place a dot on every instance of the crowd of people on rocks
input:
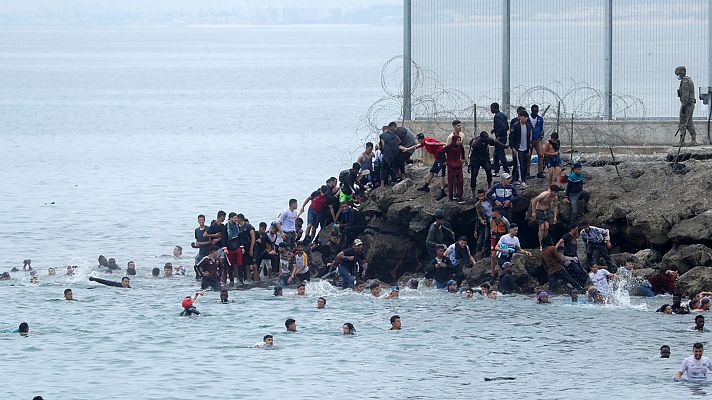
(232, 251)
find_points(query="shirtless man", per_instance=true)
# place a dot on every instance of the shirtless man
(543, 206)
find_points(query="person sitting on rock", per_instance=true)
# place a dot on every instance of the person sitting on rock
(575, 191)
(662, 282)
(438, 233)
(504, 194)
(507, 283)
(440, 268)
(598, 239)
(508, 245)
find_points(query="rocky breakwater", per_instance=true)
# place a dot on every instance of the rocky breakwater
(658, 219)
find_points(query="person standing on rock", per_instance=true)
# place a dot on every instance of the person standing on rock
(434, 147)
(407, 141)
(599, 239)
(390, 150)
(438, 234)
(499, 226)
(500, 132)
(454, 158)
(504, 194)
(351, 223)
(575, 191)
(543, 206)
(479, 158)
(520, 141)
(483, 208)
(537, 122)
(686, 93)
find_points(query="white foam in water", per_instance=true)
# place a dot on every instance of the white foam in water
(620, 293)
(323, 288)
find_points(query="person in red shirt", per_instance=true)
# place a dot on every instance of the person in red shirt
(454, 158)
(434, 147)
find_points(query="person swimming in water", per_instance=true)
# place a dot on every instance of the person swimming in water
(123, 284)
(24, 329)
(699, 324)
(5, 276)
(68, 295)
(320, 303)
(291, 325)
(469, 293)
(51, 271)
(395, 323)
(348, 328)
(188, 307)
(278, 291)
(394, 294)
(375, 289)
(664, 351)
(131, 268)
(301, 290)
(224, 296)
(542, 297)
(267, 341)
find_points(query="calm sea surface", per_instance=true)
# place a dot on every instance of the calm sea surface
(111, 142)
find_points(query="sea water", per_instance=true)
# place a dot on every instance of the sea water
(114, 140)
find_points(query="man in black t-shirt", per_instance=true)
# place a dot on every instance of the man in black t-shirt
(569, 242)
(202, 243)
(247, 240)
(350, 261)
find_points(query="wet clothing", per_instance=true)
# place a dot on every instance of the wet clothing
(600, 281)
(507, 284)
(352, 223)
(440, 274)
(218, 228)
(501, 193)
(662, 283)
(107, 282)
(233, 236)
(696, 369)
(188, 311)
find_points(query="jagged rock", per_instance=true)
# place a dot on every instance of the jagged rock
(402, 186)
(644, 272)
(694, 230)
(686, 257)
(648, 256)
(640, 208)
(697, 279)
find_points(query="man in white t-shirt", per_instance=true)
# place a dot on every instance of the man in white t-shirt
(288, 220)
(508, 245)
(696, 366)
(599, 279)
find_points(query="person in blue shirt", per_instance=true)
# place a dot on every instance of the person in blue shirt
(537, 139)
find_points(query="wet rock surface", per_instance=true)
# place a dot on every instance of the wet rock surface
(650, 211)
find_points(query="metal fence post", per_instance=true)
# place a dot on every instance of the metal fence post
(608, 64)
(506, 19)
(406, 60)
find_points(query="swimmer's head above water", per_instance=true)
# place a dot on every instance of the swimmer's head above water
(223, 296)
(68, 295)
(125, 281)
(268, 340)
(24, 329)
(320, 303)
(291, 325)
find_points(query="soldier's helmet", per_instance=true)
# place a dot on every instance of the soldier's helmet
(680, 70)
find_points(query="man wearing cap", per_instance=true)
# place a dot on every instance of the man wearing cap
(348, 261)
(503, 194)
(542, 208)
(575, 191)
(686, 93)
(438, 233)
(452, 286)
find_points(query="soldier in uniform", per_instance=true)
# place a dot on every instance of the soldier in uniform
(686, 93)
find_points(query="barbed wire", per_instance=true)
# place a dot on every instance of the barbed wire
(433, 102)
